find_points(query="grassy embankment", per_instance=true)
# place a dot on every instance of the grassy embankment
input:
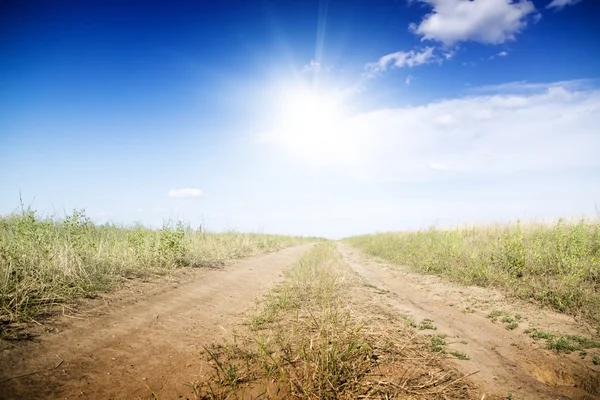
(44, 261)
(324, 334)
(557, 265)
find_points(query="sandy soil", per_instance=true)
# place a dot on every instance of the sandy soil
(506, 361)
(145, 345)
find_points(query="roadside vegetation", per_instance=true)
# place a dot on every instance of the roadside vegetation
(45, 261)
(557, 265)
(324, 334)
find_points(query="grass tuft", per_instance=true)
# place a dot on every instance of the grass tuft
(563, 343)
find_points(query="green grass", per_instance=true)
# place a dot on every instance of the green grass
(426, 324)
(45, 261)
(512, 325)
(437, 343)
(511, 321)
(557, 265)
(460, 355)
(563, 343)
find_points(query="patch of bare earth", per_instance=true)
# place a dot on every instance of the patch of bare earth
(141, 341)
(502, 361)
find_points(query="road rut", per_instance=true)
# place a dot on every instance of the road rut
(505, 362)
(152, 346)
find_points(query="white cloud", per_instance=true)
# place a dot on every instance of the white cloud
(501, 54)
(185, 193)
(438, 166)
(550, 129)
(402, 59)
(312, 66)
(449, 54)
(483, 21)
(559, 4)
(525, 87)
(409, 79)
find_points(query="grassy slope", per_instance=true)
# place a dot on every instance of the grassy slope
(557, 265)
(43, 262)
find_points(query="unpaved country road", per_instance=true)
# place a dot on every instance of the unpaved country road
(151, 346)
(506, 361)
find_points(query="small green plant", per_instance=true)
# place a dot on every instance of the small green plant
(227, 374)
(562, 343)
(511, 321)
(537, 334)
(426, 324)
(493, 315)
(460, 355)
(410, 321)
(437, 343)
(512, 325)
(378, 290)
(596, 359)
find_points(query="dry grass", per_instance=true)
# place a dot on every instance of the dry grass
(322, 335)
(557, 265)
(44, 261)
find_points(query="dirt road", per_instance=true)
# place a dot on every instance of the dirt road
(508, 362)
(136, 350)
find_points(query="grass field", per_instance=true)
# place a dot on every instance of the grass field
(557, 265)
(44, 261)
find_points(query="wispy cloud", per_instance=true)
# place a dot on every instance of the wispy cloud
(438, 166)
(185, 193)
(551, 128)
(483, 21)
(312, 66)
(560, 4)
(521, 87)
(501, 54)
(402, 59)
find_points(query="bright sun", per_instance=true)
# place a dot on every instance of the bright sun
(310, 123)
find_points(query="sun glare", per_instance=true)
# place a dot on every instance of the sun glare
(310, 123)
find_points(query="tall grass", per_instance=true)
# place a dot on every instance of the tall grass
(557, 265)
(44, 261)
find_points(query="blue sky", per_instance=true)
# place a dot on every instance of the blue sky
(327, 118)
